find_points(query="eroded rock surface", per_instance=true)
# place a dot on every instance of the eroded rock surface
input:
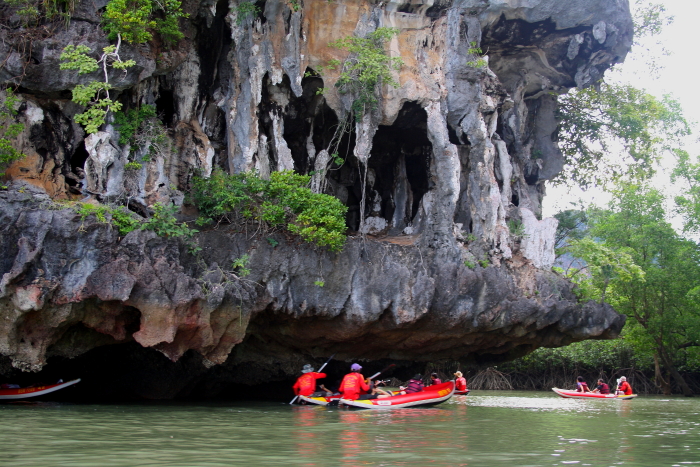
(448, 158)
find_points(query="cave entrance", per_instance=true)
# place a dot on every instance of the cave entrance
(398, 171)
(165, 106)
(295, 129)
(307, 123)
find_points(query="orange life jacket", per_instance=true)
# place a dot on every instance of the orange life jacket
(352, 385)
(306, 383)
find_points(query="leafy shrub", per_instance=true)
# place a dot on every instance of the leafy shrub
(241, 265)
(136, 20)
(478, 62)
(163, 221)
(517, 229)
(142, 130)
(367, 68)
(131, 121)
(284, 200)
(95, 95)
(9, 130)
(36, 12)
(245, 10)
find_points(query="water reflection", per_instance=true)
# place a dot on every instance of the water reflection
(481, 429)
(308, 441)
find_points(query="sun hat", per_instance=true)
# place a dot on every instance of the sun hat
(355, 367)
(307, 369)
(458, 374)
(622, 378)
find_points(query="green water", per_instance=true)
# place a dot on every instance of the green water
(486, 428)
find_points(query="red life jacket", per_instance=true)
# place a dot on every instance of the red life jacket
(306, 384)
(461, 384)
(352, 386)
(625, 387)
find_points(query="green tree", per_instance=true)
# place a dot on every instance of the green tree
(615, 130)
(688, 203)
(609, 131)
(663, 316)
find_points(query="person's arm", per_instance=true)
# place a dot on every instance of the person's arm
(364, 385)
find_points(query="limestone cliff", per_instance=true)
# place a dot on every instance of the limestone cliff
(433, 175)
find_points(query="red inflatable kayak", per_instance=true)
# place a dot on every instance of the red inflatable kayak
(429, 396)
(463, 392)
(571, 394)
(25, 393)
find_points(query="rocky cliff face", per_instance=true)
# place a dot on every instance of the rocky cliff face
(432, 177)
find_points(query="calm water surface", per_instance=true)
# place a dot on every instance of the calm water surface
(483, 429)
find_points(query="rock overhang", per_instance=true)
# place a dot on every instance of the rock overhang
(451, 155)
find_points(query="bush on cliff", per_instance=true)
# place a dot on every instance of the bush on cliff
(136, 20)
(9, 130)
(283, 201)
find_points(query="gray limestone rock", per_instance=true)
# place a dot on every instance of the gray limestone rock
(434, 173)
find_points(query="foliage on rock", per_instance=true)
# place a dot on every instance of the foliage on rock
(9, 130)
(163, 221)
(94, 95)
(137, 20)
(283, 201)
(144, 133)
(35, 12)
(367, 68)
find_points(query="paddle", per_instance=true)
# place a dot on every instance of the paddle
(380, 372)
(319, 370)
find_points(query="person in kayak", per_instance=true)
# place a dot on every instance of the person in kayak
(354, 384)
(306, 383)
(415, 384)
(460, 382)
(601, 388)
(623, 387)
(581, 385)
(434, 379)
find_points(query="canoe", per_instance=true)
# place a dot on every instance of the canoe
(25, 393)
(319, 400)
(429, 396)
(463, 392)
(589, 395)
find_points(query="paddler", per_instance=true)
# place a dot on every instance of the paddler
(354, 384)
(460, 382)
(306, 383)
(623, 387)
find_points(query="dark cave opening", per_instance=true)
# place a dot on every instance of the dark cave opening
(400, 162)
(77, 161)
(165, 106)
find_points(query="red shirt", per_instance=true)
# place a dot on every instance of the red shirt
(625, 387)
(306, 384)
(461, 384)
(351, 386)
